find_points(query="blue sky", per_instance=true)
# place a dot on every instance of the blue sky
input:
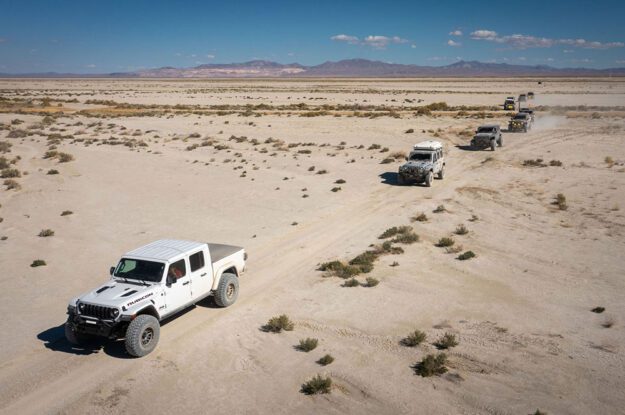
(114, 36)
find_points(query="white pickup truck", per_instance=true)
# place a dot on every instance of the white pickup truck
(150, 284)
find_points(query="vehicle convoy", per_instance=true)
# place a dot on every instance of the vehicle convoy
(520, 122)
(528, 111)
(152, 283)
(424, 162)
(509, 104)
(487, 136)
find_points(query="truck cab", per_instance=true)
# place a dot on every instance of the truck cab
(151, 283)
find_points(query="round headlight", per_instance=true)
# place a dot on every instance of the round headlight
(114, 313)
(81, 307)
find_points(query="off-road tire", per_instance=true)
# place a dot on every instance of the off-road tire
(142, 335)
(73, 337)
(500, 142)
(441, 173)
(228, 290)
(428, 180)
(492, 145)
(400, 180)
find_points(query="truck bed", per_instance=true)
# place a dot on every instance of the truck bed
(220, 251)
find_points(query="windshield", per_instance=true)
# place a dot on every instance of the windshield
(421, 156)
(486, 130)
(520, 116)
(137, 269)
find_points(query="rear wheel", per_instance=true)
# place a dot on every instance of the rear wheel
(492, 145)
(228, 290)
(428, 180)
(501, 141)
(142, 335)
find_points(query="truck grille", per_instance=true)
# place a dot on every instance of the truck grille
(97, 311)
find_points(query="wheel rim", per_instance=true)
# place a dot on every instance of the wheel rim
(230, 291)
(147, 336)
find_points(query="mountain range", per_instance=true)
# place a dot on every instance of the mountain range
(344, 68)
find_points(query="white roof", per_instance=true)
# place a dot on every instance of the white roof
(428, 145)
(164, 250)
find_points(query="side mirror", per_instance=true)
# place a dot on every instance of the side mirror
(112, 270)
(170, 280)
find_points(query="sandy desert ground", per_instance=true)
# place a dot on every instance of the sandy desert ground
(232, 161)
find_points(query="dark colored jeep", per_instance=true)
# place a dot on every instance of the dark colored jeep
(520, 122)
(487, 136)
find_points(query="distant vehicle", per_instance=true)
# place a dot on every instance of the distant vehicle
(520, 122)
(487, 136)
(424, 161)
(509, 104)
(530, 95)
(522, 98)
(151, 283)
(528, 111)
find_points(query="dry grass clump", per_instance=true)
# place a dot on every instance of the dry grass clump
(339, 269)
(534, 163)
(317, 385)
(414, 339)
(466, 255)
(395, 230)
(12, 184)
(387, 161)
(461, 230)
(352, 282)
(279, 323)
(325, 360)
(46, 233)
(440, 209)
(340, 181)
(38, 263)
(371, 282)
(598, 310)
(560, 202)
(421, 217)
(555, 163)
(445, 242)
(323, 171)
(308, 344)
(67, 213)
(10, 173)
(336, 189)
(431, 365)
(4, 163)
(447, 341)
(609, 161)
(5, 147)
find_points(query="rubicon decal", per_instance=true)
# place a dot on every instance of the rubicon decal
(139, 299)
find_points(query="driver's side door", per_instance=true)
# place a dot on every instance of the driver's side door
(178, 288)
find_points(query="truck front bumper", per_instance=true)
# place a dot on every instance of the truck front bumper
(93, 326)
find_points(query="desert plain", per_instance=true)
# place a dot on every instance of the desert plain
(302, 172)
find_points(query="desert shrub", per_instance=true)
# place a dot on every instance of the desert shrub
(323, 171)
(311, 168)
(67, 213)
(46, 233)
(534, 163)
(466, 255)
(555, 163)
(461, 230)
(17, 133)
(5, 146)
(431, 365)
(539, 412)
(447, 341)
(335, 189)
(371, 282)
(12, 184)
(406, 238)
(50, 154)
(277, 324)
(395, 230)
(325, 360)
(38, 263)
(414, 339)
(560, 201)
(364, 261)
(445, 242)
(421, 217)
(340, 181)
(307, 344)
(53, 171)
(440, 209)
(409, 131)
(65, 157)
(305, 151)
(474, 218)
(339, 269)
(609, 161)
(4, 163)
(387, 161)
(10, 173)
(598, 310)
(317, 385)
(374, 147)
(397, 155)
(352, 282)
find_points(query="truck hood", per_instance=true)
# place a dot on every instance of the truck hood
(417, 164)
(118, 294)
(482, 136)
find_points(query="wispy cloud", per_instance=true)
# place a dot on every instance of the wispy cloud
(620, 61)
(519, 41)
(443, 58)
(374, 41)
(450, 42)
(91, 65)
(455, 33)
(209, 56)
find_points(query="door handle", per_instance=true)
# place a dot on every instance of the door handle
(185, 283)
(203, 275)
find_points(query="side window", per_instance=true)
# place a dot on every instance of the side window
(196, 261)
(178, 269)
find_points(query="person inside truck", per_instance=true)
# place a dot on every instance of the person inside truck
(175, 272)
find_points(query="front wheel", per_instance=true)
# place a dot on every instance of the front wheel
(500, 141)
(142, 335)
(428, 180)
(492, 145)
(228, 290)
